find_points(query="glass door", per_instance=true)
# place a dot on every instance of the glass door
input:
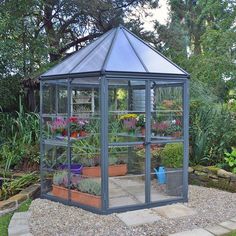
(126, 150)
(166, 141)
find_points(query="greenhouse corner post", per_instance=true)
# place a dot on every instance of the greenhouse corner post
(104, 141)
(41, 136)
(147, 142)
(186, 138)
(69, 81)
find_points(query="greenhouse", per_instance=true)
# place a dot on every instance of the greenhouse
(114, 127)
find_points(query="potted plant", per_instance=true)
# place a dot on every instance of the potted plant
(159, 128)
(172, 160)
(141, 123)
(87, 153)
(175, 128)
(77, 127)
(83, 191)
(129, 122)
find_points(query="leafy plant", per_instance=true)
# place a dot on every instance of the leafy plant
(230, 159)
(60, 178)
(172, 155)
(89, 186)
(13, 186)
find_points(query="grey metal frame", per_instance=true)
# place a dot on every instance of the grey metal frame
(104, 77)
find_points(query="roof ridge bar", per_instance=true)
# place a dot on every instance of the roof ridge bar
(185, 72)
(108, 34)
(103, 69)
(140, 59)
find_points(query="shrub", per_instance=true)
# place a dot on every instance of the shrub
(172, 155)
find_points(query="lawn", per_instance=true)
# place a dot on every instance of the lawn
(5, 220)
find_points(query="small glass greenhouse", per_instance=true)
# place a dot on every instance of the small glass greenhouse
(114, 127)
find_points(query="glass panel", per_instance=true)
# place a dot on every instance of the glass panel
(49, 99)
(166, 171)
(85, 149)
(126, 176)
(55, 180)
(166, 113)
(123, 57)
(154, 61)
(126, 103)
(85, 102)
(95, 60)
(68, 64)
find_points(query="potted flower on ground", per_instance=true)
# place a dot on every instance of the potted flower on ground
(172, 159)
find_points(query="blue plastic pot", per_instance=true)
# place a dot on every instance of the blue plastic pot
(74, 168)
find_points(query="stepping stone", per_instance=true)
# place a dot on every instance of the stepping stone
(194, 232)
(19, 224)
(217, 230)
(174, 211)
(229, 225)
(233, 219)
(139, 217)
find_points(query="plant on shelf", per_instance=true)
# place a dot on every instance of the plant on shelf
(129, 122)
(175, 128)
(230, 160)
(172, 155)
(77, 126)
(141, 119)
(58, 126)
(159, 128)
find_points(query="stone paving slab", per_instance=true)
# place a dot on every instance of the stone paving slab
(139, 217)
(194, 232)
(233, 219)
(229, 225)
(217, 230)
(174, 211)
(19, 224)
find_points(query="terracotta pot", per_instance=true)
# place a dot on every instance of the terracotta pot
(114, 170)
(60, 192)
(177, 134)
(77, 196)
(82, 133)
(143, 131)
(74, 134)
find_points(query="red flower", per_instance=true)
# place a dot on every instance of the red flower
(73, 119)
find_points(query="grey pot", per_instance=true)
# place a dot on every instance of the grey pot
(174, 181)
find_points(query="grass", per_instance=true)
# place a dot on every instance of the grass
(5, 220)
(233, 233)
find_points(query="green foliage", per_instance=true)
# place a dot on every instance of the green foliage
(60, 178)
(19, 138)
(13, 186)
(230, 159)
(89, 186)
(172, 155)
(212, 130)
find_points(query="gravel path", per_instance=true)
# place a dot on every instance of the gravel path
(50, 218)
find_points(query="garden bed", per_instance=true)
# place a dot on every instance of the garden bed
(211, 176)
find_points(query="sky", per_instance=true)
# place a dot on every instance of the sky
(160, 14)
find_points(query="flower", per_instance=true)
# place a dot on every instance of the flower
(128, 116)
(58, 125)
